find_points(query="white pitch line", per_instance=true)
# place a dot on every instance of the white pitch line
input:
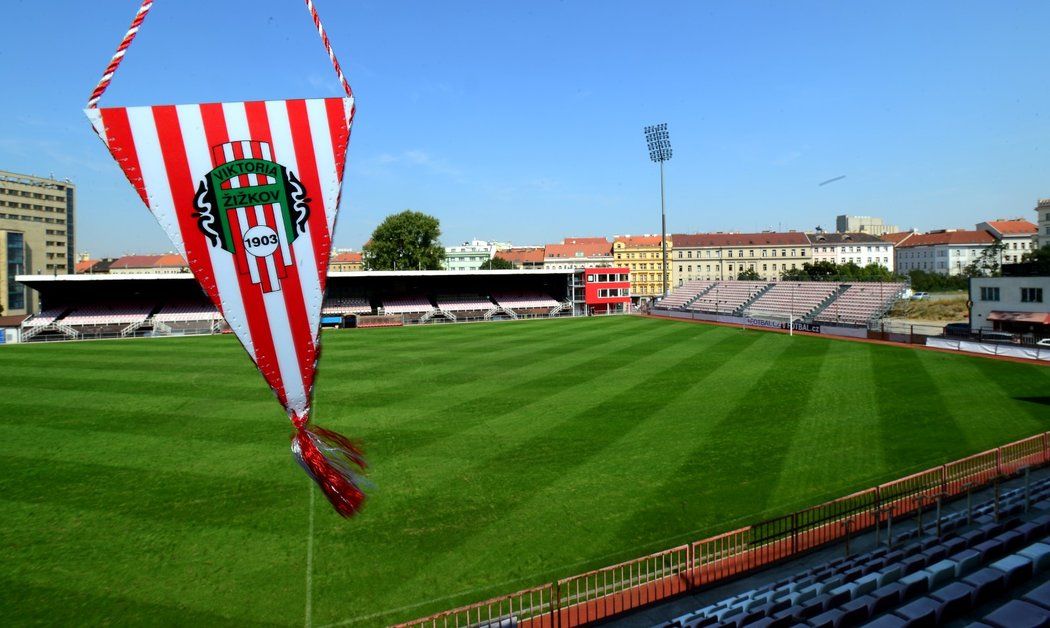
(310, 563)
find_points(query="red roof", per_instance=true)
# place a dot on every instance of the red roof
(85, 265)
(1015, 226)
(348, 257)
(686, 240)
(522, 255)
(168, 260)
(948, 237)
(653, 240)
(587, 249)
(898, 237)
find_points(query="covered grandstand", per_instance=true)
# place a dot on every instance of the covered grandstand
(107, 306)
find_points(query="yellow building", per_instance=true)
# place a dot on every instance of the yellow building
(346, 261)
(642, 255)
(36, 235)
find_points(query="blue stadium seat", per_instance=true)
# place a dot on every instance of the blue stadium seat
(990, 550)
(856, 611)
(887, 621)
(887, 597)
(967, 561)
(934, 554)
(954, 546)
(1039, 554)
(1040, 596)
(827, 619)
(956, 599)
(890, 573)
(1018, 614)
(920, 612)
(988, 583)
(1018, 569)
(912, 564)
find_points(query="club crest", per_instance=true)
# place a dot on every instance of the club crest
(253, 208)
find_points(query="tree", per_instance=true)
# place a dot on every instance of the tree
(1040, 260)
(405, 241)
(988, 263)
(796, 274)
(497, 263)
(749, 275)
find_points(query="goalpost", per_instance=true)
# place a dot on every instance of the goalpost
(772, 319)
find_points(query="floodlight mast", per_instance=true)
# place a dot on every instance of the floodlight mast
(659, 141)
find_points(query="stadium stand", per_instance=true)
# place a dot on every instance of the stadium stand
(860, 303)
(46, 317)
(100, 315)
(920, 580)
(799, 299)
(346, 305)
(728, 297)
(526, 303)
(187, 312)
(685, 293)
(407, 305)
(465, 305)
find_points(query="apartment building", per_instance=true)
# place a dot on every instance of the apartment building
(722, 256)
(643, 255)
(861, 249)
(36, 235)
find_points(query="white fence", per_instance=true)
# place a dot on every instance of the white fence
(1028, 352)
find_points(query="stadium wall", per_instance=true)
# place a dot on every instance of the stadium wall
(830, 330)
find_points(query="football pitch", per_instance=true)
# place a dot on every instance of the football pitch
(150, 482)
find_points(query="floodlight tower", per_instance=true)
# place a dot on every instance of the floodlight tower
(660, 151)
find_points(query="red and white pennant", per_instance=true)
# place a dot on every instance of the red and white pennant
(248, 192)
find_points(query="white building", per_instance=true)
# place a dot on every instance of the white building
(1013, 304)
(1016, 234)
(859, 248)
(947, 252)
(862, 224)
(471, 255)
(1042, 211)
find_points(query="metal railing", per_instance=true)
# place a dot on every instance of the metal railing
(606, 592)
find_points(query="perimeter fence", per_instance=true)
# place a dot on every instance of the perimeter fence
(607, 592)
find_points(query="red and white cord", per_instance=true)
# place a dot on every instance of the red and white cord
(111, 69)
(140, 15)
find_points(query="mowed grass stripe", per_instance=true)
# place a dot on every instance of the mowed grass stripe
(504, 455)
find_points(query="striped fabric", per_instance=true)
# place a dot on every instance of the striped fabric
(265, 260)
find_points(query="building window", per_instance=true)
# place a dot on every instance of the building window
(16, 292)
(989, 294)
(1031, 295)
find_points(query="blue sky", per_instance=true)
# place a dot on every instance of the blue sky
(523, 121)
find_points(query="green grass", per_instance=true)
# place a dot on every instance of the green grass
(149, 481)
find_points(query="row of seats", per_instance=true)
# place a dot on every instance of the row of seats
(796, 298)
(516, 300)
(187, 311)
(925, 582)
(346, 305)
(857, 304)
(728, 296)
(464, 303)
(860, 303)
(107, 314)
(685, 293)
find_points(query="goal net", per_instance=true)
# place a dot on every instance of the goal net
(771, 318)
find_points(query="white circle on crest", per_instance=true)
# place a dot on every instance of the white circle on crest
(260, 241)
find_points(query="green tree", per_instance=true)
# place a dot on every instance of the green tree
(749, 275)
(405, 241)
(988, 263)
(497, 263)
(1040, 259)
(796, 274)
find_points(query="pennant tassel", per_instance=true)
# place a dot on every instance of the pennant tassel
(334, 462)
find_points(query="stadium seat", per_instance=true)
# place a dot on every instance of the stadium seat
(1039, 554)
(1017, 569)
(956, 599)
(920, 612)
(1018, 614)
(988, 583)
(1040, 596)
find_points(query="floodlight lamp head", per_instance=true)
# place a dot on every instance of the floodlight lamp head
(659, 141)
